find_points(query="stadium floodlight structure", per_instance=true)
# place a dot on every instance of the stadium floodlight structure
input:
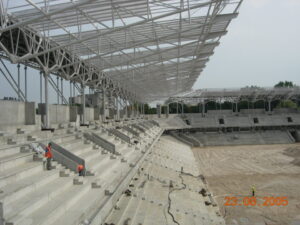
(141, 50)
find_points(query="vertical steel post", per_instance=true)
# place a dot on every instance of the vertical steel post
(41, 87)
(103, 105)
(83, 103)
(25, 70)
(62, 90)
(47, 122)
(118, 108)
(70, 99)
(57, 92)
(74, 94)
(19, 89)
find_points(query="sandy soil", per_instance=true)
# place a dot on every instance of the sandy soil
(273, 169)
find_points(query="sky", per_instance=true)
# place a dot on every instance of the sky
(261, 48)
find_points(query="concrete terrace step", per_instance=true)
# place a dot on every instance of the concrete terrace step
(55, 208)
(24, 170)
(12, 192)
(10, 161)
(90, 154)
(9, 151)
(87, 202)
(16, 212)
(100, 163)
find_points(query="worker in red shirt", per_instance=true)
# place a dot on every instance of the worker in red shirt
(80, 169)
(48, 155)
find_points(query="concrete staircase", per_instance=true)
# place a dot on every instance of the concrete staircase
(31, 195)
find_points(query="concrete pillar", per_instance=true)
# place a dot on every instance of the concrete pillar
(47, 122)
(236, 107)
(182, 107)
(83, 104)
(167, 111)
(25, 70)
(177, 108)
(158, 108)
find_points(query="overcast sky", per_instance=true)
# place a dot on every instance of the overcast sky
(261, 48)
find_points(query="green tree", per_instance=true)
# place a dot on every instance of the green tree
(287, 104)
(285, 84)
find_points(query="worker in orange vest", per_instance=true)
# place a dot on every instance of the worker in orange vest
(80, 169)
(48, 155)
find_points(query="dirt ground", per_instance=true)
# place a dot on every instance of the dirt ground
(273, 169)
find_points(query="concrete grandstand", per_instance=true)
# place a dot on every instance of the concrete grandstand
(115, 57)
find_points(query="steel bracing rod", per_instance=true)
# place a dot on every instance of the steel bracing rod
(12, 82)
(114, 30)
(56, 89)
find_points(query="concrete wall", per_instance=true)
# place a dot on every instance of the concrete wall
(59, 114)
(285, 110)
(251, 111)
(89, 114)
(218, 112)
(73, 113)
(97, 113)
(16, 113)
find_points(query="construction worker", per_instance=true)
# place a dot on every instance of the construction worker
(80, 169)
(48, 155)
(253, 190)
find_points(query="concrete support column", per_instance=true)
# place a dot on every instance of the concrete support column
(25, 70)
(182, 109)
(19, 83)
(177, 108)
(158, 109)
(47, 118)
(83, 103)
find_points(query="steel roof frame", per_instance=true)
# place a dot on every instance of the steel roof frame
(144, 50)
